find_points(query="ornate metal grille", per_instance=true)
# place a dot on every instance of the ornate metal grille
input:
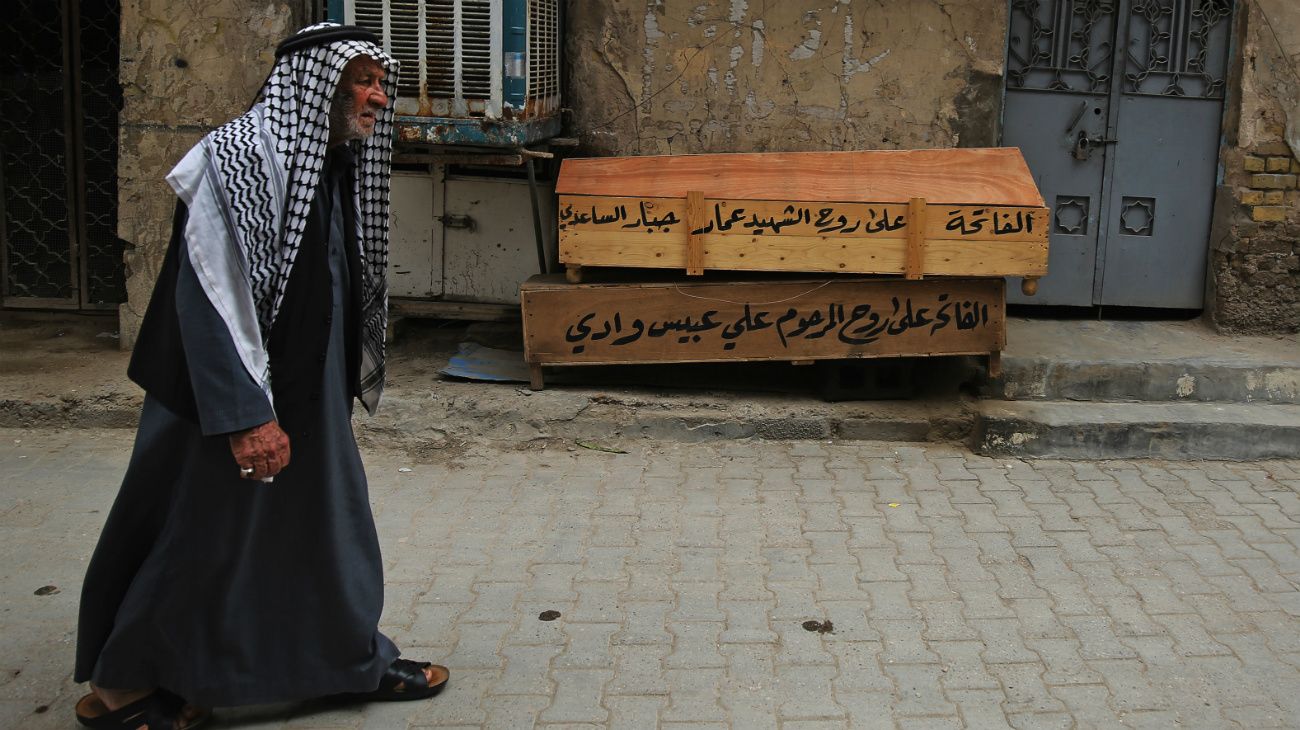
(59, 103)
(1137, 216)
(1170, 50)
(100, 101)
(33, 148)
(1071, 217)
(1061, 45)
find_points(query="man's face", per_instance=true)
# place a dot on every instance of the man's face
(359, 97)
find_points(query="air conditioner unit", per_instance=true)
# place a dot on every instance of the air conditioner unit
(473, 71)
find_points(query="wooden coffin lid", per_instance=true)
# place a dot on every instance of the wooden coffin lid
(972, 176)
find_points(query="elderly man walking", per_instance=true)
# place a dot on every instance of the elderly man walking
(240, 563)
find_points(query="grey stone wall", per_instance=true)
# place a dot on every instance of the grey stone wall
(1255, 246)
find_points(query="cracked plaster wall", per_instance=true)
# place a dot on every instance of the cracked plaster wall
(1254, 282)
(686, 76)
(673, 76)
(187, 66)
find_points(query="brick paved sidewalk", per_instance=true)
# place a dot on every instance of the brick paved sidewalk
(963, 591)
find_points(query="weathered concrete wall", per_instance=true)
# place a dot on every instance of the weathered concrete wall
(187, 67)
(1255, 247)
(681, 76)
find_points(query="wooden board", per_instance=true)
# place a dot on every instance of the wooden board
(757, 235)
(424, 308)
(810, 254)
(726, 216)
(574, 324)
(992, 176)
(914, 255)
(695, 225)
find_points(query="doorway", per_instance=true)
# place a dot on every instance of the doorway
(1116, 105)
(59, 103)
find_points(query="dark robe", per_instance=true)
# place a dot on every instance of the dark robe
(223, 590)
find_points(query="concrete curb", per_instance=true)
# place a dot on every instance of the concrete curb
(1202, 380)
(1069, 430)
(466, 411)
(61, 372)
(96, 412)
(434, 418)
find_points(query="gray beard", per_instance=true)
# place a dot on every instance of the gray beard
(344, 127)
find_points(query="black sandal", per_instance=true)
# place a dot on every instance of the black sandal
(160, 710)
(404, 680)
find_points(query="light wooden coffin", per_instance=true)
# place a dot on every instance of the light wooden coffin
(952, 212)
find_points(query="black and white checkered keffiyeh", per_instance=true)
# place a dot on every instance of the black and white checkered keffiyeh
(249, 186)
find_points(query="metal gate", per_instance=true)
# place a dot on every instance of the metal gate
(1116, 105)
(59, 104)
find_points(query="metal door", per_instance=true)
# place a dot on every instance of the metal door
(1123, 145)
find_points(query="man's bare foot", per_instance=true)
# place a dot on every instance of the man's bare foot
(103, 701)
(404, 680)
(433, 674)
(115, 699)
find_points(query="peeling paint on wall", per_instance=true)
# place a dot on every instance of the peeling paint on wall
(808, 47)
(652, 37)
(738, 10)
(799, 74)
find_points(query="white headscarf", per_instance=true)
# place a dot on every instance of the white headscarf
(249, 186)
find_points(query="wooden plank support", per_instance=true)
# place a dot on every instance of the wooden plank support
(483, 312)
(914, 263)
(695, 219)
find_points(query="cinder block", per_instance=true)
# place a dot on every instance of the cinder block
(1272, 181)
(1268, 213)
(1277, 164)
(1254, 164)
(1251, 197)
(1275, 148)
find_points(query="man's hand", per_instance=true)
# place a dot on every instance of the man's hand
(264, 449)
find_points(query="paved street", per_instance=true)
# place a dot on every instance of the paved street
(949, 590)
